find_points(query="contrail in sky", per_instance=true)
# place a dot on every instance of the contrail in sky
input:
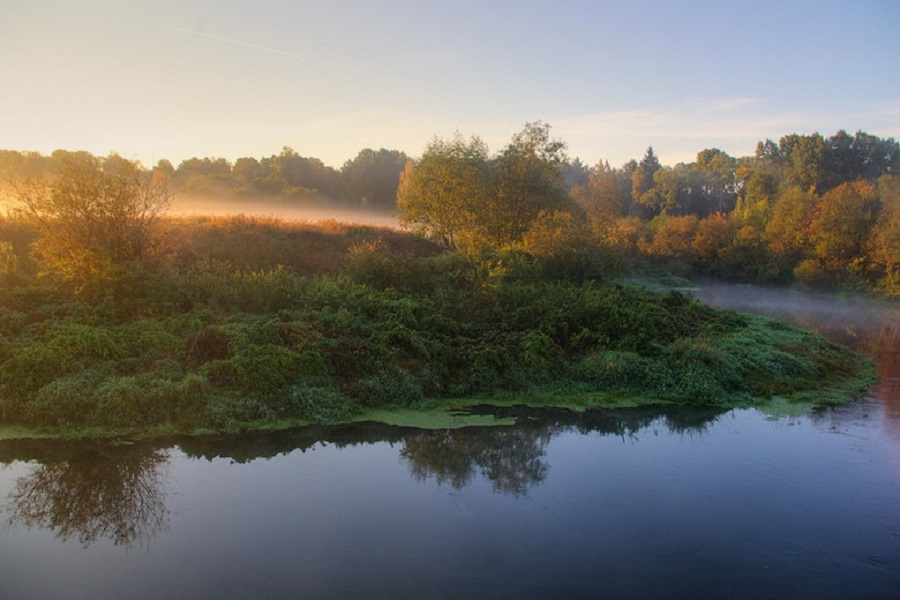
(245, 44)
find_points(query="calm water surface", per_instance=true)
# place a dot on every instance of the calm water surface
(643, 503)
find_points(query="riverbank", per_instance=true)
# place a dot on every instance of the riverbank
(390, 328)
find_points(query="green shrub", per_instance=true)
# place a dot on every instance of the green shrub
(371, 264)
(315, 404)
(767, 369)
(701, 373)
(267, 291)
(262, 369)
(541, 354)
(210, 343)
(79, 343)
(616, 370)
(394, 387)
(67, 401)
(230, 413)
(151, 337)
(126, 402)
(27, 368)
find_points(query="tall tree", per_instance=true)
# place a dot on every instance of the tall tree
(862, 156)
(201, 166)
(718, 186)
(441, 192)
(673, 236)
(884, 241)
(806, 155)
(842, 222)
(600, 198)
(788, 233)
(757, 181)
(642, 183)
(302, 173)
(528, 179)
(247, 169)
(714, 237)
(575, 173)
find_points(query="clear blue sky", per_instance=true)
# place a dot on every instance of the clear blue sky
(180, 78)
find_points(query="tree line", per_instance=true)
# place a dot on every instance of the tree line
(823, 211)
(368, 181)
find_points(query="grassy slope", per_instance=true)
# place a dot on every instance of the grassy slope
(258, 323)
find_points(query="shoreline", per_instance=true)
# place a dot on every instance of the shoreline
(452, 414)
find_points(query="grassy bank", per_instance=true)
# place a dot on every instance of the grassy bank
(256, 323)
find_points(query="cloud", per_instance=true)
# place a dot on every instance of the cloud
(244, 44)
(692, 120)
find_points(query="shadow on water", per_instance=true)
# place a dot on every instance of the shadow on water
(88, 491)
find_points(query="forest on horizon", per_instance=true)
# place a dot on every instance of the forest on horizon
(823, 211)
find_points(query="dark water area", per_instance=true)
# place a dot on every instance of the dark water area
(638, 503)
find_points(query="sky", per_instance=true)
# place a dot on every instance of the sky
(174, 79)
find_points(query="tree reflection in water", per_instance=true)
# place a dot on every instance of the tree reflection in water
(90, 491)
(510, 457)
(95, 494)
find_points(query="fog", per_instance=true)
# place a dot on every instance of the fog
(187, 205)
(832, 314)
(869, 326)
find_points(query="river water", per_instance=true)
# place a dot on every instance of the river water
(638, 503)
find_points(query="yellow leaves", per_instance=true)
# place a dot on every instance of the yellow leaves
(96, 215)
(555, 235)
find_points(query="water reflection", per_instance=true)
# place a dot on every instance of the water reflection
(511, 458)
(91, 492)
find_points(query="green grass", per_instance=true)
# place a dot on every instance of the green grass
(16, 432)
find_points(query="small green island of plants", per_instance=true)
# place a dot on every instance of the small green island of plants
(205, 346)
(117, 319)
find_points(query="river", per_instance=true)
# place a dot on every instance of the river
(637, 503)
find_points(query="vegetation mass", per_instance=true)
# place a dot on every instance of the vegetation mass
(117, 318)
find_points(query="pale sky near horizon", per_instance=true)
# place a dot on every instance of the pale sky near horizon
(175, 79)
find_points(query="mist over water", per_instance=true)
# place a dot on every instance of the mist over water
(869, 326)
(823, 312)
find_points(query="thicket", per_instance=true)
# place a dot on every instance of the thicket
(243, 321)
